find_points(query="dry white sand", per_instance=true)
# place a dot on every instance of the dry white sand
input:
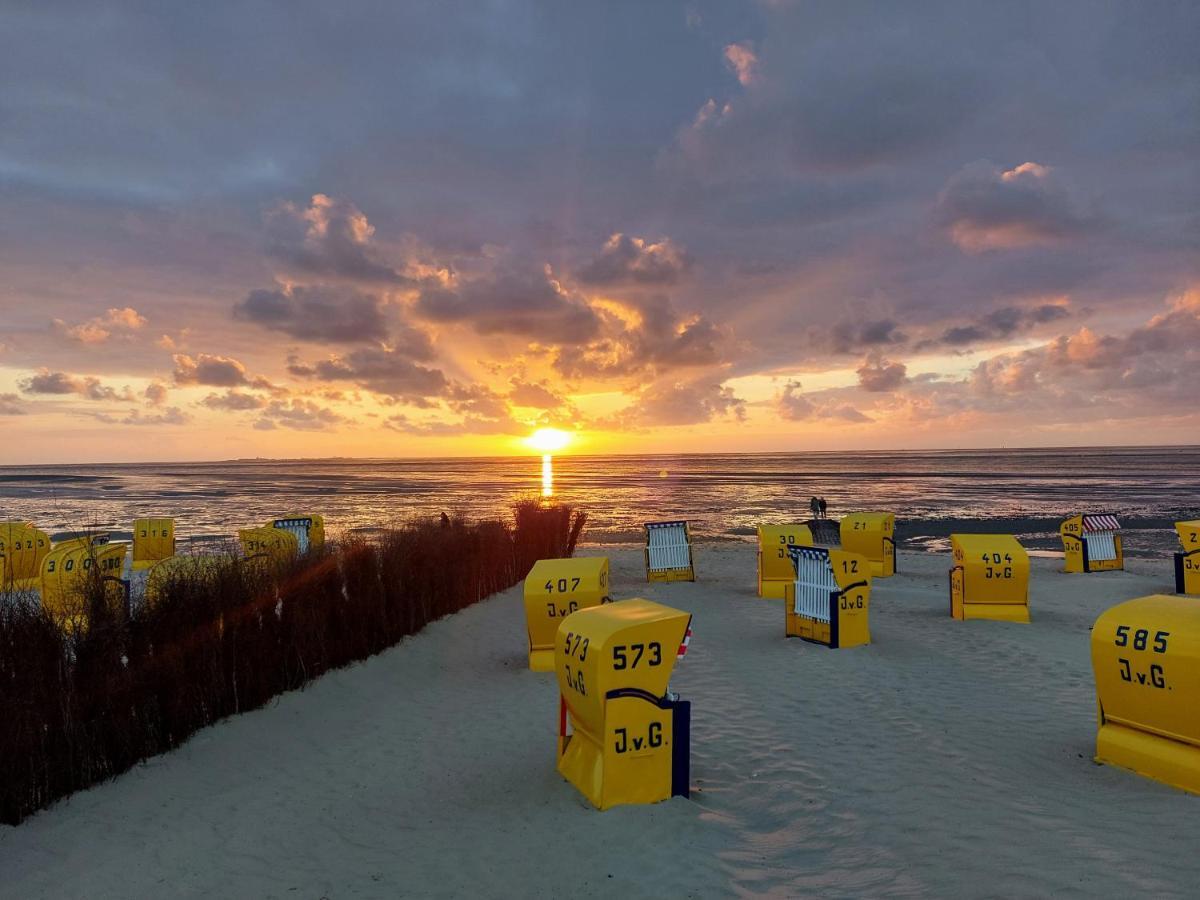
(947, 758)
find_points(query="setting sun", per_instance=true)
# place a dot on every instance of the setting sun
(548, 440)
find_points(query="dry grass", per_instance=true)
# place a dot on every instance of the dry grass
(80, 706)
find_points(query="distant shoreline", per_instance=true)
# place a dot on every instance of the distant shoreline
(1049, 448)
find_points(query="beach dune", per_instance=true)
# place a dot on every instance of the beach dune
(947, 757)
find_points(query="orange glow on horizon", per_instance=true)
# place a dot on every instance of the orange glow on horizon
(548, 440)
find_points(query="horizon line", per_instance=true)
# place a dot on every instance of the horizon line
(846, 451)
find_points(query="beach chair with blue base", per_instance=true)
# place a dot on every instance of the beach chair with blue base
(1187, 561)
(1092, 543)
(828, 601)
(623, 736)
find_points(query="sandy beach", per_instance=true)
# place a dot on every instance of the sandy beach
(946, 758)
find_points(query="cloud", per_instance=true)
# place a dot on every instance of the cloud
(1003, 323)
(468, 425)
(710, 114)
(807, 200)
(155, 393)
(652, 337)
(843, 411)
(811, 112)
(123, 322)
(319, 314)
(984, 207)
(329, 238)
(299, 415)
(171, 416)
(792, 404)
(11, 405)
(877, 374)
(1146, 370)
(476, 401)
(523, 301)
(624, 259)
(538, 395)
(683, 403)
(1076, 380)
(480, 409)
(853, 335)
(795, 406)
(233, 401)
(46, 382)
(742, 61)
(62, 383)
(382, 371)
(214, 371)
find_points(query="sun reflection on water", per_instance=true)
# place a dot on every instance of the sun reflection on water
(547, 475)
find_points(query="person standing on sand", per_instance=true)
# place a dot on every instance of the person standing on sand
(815, 505)
(821, 503)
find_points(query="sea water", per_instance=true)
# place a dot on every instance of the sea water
(724, 496)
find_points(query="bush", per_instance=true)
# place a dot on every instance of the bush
(546, 532)
(83, 704)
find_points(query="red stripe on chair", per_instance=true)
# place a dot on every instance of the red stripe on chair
(683, 648)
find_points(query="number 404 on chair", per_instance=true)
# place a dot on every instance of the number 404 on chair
(989, 578)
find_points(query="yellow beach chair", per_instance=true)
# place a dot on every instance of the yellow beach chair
(669, 552)
(23, 546)
(1146, 660)
(1187, 561)
(990, 578)
(309, 530)
(153, 541)
(828, 601)
(873, 535)
(554, 589)
(775, 570)
(1092, 543)
(629, 740)
(269, 544)
(65, 573)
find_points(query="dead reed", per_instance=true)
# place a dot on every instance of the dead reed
(83, 704)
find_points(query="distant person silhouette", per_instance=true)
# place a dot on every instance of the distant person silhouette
(821, 503)
(815, 505)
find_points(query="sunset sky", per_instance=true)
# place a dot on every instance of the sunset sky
(416, 229)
